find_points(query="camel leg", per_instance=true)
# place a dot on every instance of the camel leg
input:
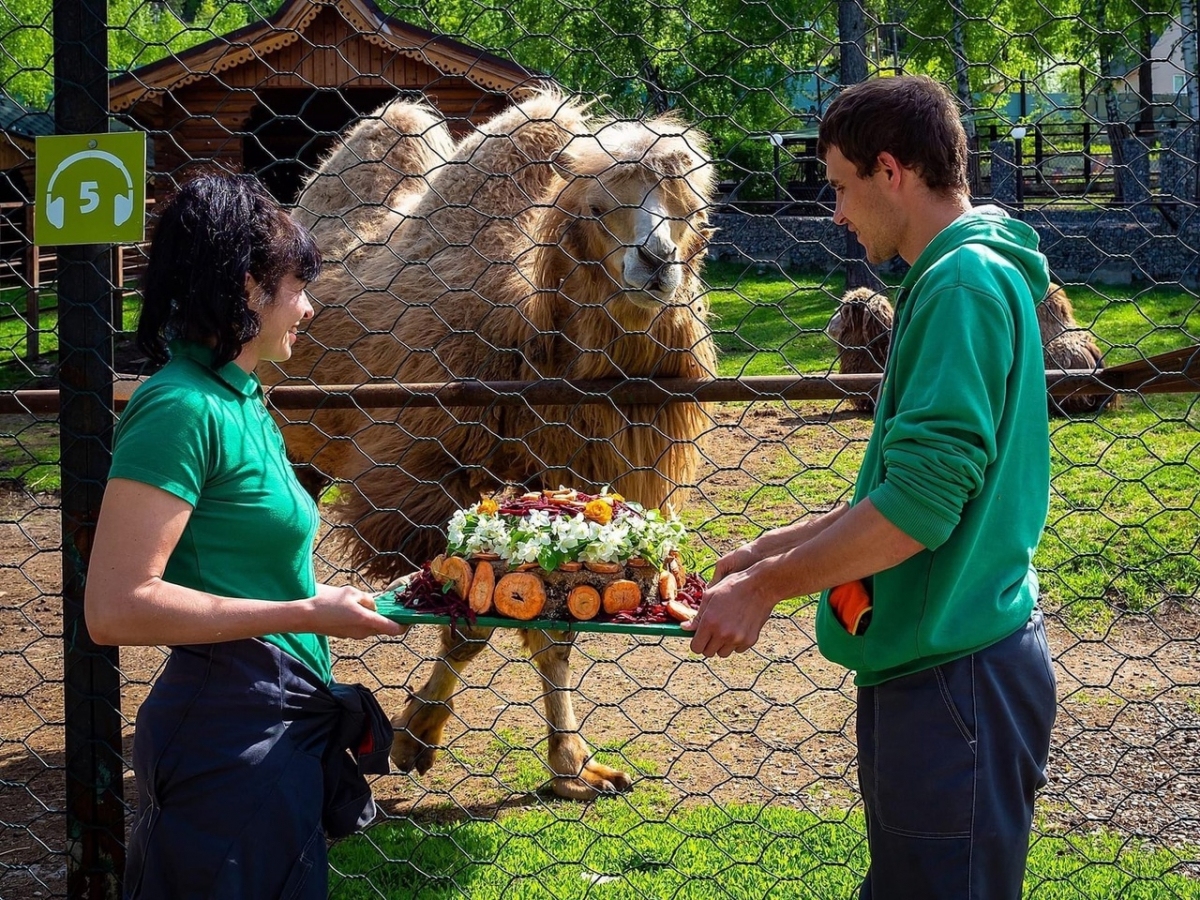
(576, 775)
(419, 727)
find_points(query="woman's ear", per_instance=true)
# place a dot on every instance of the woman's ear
(254, 293)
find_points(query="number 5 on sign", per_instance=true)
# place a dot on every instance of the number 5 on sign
(91, 189)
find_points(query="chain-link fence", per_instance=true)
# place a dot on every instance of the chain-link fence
(456, 161)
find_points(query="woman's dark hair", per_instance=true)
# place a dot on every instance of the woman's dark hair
(911, 117)
(217, 230)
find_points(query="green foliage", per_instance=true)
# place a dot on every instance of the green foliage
(140, 32)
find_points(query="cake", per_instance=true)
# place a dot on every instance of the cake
(559, 555)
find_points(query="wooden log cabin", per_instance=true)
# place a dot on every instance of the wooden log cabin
(271, 97)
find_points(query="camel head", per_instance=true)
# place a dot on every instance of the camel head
(634, 202)
(863, 320)
(1055, 314)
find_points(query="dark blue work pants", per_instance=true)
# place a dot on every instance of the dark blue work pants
(228, 755)
(949, 761)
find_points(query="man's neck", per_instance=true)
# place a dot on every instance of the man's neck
(928, 218)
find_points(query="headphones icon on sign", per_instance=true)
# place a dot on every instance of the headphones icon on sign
(88, 195)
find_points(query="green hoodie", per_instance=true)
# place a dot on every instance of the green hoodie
(960, 455)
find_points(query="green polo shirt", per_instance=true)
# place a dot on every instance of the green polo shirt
(206, 437)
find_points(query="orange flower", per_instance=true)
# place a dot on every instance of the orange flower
(487, 507)
(598, 511)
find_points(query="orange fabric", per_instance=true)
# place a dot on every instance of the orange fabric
(851, 605)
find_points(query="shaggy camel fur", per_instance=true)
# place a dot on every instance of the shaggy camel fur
(549, 244)
(1068, 346)
(862, 329)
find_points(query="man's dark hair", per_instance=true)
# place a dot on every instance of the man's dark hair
(215, 231)
(911, 117)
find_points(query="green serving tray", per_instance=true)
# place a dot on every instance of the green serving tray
(387, 605)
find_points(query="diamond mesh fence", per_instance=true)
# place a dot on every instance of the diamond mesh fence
(591, 246)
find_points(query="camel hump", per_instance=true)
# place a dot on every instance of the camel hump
(381, 164)
(510, 159)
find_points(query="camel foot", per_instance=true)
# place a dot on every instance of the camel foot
(595, 779)
(419, 735)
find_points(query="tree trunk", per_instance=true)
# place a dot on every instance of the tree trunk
(962, 81)
(1187, 21)
(1145, 122)
(1118, 131)
(655, 93)
(852, 42)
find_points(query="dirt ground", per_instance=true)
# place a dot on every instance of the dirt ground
(774, 725)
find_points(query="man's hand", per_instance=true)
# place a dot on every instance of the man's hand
(735, 561)
(730, 618)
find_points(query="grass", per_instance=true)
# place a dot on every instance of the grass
(766, 323)
(15, 371)
(1122, 530)
(29, 450)
(622, 849)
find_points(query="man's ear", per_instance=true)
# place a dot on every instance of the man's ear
(890, 167)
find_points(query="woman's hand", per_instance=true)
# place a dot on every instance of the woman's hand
(347, 612)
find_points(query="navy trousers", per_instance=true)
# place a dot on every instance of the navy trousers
(242, 763)
(949, 762)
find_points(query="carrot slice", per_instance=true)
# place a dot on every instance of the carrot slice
(453, 570)
(668, 587)
(603, 568)
(482, 586)
(622, 595)
(520, 595)
(679, 610)
(583, 602)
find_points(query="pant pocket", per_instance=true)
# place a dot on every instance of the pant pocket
(925, 752)
(309, 878)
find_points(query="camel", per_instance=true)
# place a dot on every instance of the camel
(551, 243)
(862, 328)
(1066, 345)
(862, 325)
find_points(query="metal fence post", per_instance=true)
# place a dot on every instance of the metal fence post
(91, 678)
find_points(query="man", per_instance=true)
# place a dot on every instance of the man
(936, 611)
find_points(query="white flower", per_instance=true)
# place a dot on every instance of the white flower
(455, 531)
(524, 539)
(611, 543)
(570, 533)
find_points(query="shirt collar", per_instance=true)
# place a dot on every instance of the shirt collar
(244, 383)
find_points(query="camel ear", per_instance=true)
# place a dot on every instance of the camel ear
(679, 163)
(570, 161)
(564, 165)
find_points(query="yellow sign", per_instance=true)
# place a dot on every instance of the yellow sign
(91, 189)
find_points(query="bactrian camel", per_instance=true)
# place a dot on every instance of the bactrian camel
(551, 243)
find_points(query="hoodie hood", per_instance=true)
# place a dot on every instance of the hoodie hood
(991, 227)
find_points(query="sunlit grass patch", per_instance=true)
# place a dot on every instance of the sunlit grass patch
(622, 849)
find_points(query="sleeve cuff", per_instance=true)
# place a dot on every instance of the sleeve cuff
(924, 525)
(157, 480)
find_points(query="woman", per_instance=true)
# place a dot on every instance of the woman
(204, 543)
